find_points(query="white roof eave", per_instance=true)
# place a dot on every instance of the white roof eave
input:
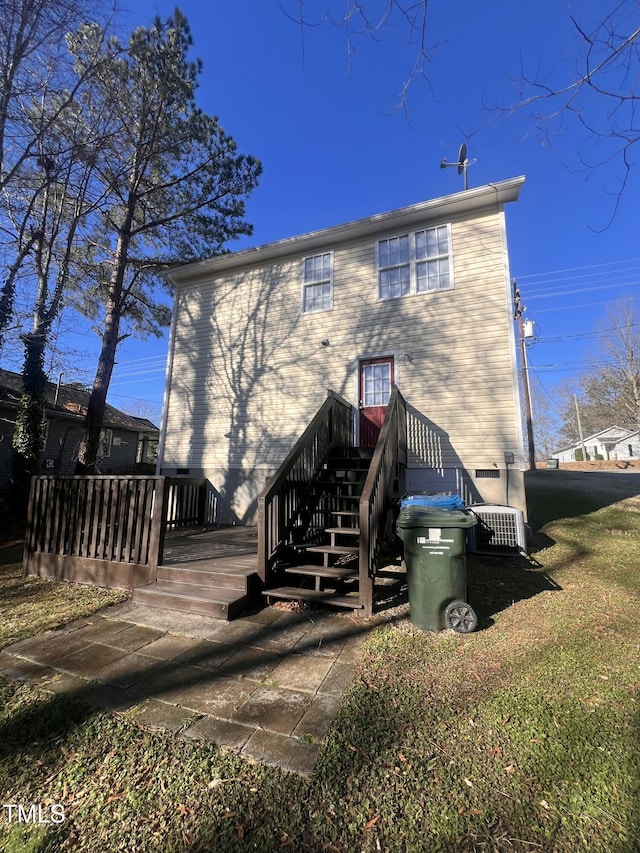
(466, 201)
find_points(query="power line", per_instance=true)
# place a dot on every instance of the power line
(117, 377)
(138, 361)
(594, 334)
(575, 290)
(142, 399)
(576, 269)
(578, 305)
(553, 282)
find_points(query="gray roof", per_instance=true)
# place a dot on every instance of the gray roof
(71, 403)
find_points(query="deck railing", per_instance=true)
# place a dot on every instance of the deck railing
(187, 502)
(383, 480)
(107, 530)
(284, 497)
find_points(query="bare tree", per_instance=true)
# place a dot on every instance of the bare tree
(545, 420)
(37, 89)
(58, 197)
(599, 99)
(602, 98)
(609, 392)
(372, 19)
(45, 185)
(620, 350)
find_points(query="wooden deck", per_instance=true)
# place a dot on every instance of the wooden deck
(210, 571)
(210, 545)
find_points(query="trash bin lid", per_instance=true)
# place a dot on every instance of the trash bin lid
(440, 501)
(430, 517)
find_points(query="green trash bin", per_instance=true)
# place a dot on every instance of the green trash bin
(435, 556)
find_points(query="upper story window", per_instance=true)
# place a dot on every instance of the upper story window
(317, 283)
(415, 263)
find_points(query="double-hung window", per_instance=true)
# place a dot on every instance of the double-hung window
(414, 263)
(317, 283)
(394, 267)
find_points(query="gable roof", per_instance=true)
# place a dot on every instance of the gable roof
(612, 433)
(69, 402)
(490, 196)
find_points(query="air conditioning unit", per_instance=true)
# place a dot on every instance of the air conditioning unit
(500, 530)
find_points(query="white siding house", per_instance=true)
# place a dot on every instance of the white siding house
(612, 443)
(418, 297)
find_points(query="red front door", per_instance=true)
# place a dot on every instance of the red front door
(376, 379)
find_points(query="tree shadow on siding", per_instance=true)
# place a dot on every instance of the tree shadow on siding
(430, 446)
(246, 323)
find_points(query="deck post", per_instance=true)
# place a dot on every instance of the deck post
(30, 533)
(159, 524)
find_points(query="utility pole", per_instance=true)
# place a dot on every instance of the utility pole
(525, 377)
(584, 452)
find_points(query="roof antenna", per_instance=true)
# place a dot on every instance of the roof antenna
(462, 165)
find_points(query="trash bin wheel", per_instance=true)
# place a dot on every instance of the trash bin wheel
(460, 617)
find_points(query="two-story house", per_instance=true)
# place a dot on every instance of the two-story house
(419, 298)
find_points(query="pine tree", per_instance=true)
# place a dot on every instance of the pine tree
(176, 190)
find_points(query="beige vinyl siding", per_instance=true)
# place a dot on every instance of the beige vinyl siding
(249, 369)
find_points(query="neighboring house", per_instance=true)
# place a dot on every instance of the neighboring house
(612, 443)
(419, 297)
(126, 440)
(628, 447)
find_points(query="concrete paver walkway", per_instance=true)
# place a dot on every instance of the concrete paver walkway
(267, 685)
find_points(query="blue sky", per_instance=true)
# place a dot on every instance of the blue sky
(335, 147)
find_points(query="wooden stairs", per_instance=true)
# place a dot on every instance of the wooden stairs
(323, 567)
(222, 587)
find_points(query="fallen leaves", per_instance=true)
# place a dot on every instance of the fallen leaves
(115, 797)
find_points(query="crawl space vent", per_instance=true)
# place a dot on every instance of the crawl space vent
(500, 530)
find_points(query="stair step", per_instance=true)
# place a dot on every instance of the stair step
(353, 453)
(332, 549)
(189, 598)
(345, 513)
(343, 531)
(342, 484)
(334, 572)
(343, 497)
(292, 593)
(199, 577)
(348, 475)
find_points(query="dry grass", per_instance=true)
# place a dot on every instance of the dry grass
(521, 737)
(31, 606)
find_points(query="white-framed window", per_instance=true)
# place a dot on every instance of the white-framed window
(394, 267)
(418, 262)
(106, 440)
(376, 384)
(317, 283)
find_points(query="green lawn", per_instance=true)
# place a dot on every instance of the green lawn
(524, 736)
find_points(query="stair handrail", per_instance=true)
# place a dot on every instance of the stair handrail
(389, 456)
(279, 502)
